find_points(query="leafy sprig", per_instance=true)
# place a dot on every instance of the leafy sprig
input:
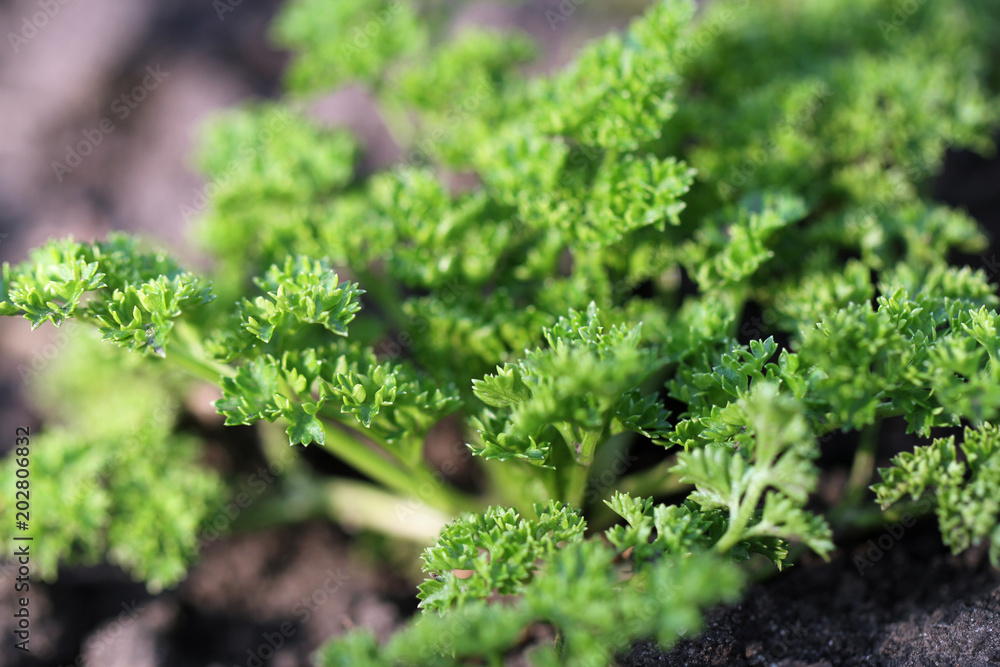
(959, 479)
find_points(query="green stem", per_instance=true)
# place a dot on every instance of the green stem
(656, 481)
(359, 505)
(516, 484)
(418, 483)
(187, 352)
(387, 297)
(278, 452)
(583, 449)
(351, 503)
(588, 445)
(739, 520)
(863, 466)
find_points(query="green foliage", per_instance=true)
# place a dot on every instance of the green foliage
(117, 484)
(962, 488)
(301, 292)
(346, 41)
(494, 553)
(553, 260)
(597, 609)
(576, 386)
(618, 94)
(132, 297)
(652, 531)
(270, 168)
(768, 457)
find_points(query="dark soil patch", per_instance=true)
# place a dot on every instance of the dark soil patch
(912, 604)
(267, 598)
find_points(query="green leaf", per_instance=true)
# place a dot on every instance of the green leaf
(499, 548)
(302, 291)
(250, 395)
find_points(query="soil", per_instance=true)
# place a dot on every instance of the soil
(910, 604)
(273, 597)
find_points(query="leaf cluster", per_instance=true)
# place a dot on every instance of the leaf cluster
(960, 480)
(553, 259)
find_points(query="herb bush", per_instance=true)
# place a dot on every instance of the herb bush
(706, 237)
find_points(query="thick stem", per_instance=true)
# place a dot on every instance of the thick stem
(416, 483)
(353, 503)
(863, 465)
(656, 481)
(576, 486)
(519, 485)
(363, 506)
(349, 502)
(187, 352)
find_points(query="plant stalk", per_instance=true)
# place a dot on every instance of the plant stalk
(863, 466)
(352, 503)
(185, 351)
(418, 483)
(583, 449)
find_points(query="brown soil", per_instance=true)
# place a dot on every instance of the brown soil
(274, 596)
